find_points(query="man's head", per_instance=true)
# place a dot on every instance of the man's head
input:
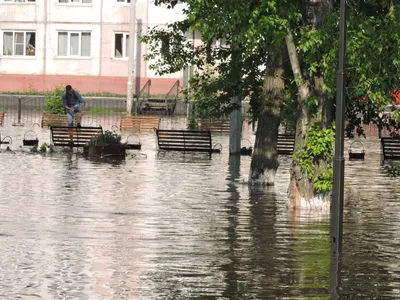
(69, 89)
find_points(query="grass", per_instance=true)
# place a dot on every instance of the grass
(90, 94)
(103, 111)
(103, 94)
(44, 93)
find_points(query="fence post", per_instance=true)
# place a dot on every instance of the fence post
(19, 113)
(19, 110)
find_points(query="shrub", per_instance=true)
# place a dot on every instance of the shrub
(106, 138)
(54, 102)
(193, 124)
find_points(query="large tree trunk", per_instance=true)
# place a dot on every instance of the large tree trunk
(301, 190)
(264, 162)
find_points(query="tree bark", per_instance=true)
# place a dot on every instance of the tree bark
(300, 189)
(264, 162)
(301, 192)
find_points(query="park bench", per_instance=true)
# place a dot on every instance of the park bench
(285, 144)
(390, 148)
(73, 136)
(185, 140)
(139, 123)
(215, 125)
(53, 120)
(1, 117)
(156, 106)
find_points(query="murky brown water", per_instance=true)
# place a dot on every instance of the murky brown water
(184, 226)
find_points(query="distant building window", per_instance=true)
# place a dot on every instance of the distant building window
(121, 45)
(74, 1)
(74, 43)
(19, 43)
(18, 1)
(124, 1)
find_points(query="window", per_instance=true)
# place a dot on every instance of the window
(18, 1)
(74, 1)
(124, 1)
(121, 45)
(74, 43)
(19, 43)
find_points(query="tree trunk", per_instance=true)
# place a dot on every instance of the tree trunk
(264, 162)
(301, 192)
(235, 128)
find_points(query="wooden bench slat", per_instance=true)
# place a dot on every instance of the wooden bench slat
(285, 144)
(54, 120)
(390, 148)
(215, 125)
(139, 123)
(184, 140)
(73, 136)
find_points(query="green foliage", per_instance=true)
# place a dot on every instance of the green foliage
(312, 104)
(43, 148)
(318, 146)
(323, 181)
(54, 102)
(103, 111)
(289, 108)
(193, 124)
(104, 94)
(209, 101)
(106, 138)
(31, 91)
(393, 170)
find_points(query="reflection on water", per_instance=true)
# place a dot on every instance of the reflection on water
(185, 226)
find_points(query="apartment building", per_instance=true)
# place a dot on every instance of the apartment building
(79, 42)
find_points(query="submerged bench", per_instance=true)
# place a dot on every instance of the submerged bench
(390, 148)
(285, 144)
(139, 123)
(1, 117)
(185, 140)
(73, 136)
(53, 120)
(156, 106)
(215, 125)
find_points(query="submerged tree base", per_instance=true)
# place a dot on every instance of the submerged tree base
(266, 178)
(112, 151)
(295, 200)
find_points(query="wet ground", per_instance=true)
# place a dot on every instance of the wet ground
(184, 226)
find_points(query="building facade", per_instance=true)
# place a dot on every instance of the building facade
(84, 43)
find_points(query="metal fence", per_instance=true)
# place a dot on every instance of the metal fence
(28, 110)
(21, 110)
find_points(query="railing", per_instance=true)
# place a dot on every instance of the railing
(21, 109)
(174, 91)
(145, 91)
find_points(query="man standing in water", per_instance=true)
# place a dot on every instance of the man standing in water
(73, 103)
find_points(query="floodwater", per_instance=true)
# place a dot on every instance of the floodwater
(185, 226)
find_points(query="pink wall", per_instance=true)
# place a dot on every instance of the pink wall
(85, 84)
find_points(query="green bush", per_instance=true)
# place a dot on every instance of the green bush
(106, 138)
(193, 124)
(54, 102)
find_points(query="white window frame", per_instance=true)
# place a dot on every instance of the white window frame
(126, 56)
(79, 44)
(18, 1)
(79, 2)
(123, 2)
(13, 44)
